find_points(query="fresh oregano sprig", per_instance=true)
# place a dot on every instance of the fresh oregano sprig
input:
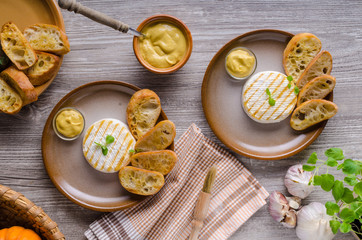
(296, 89)
(271, 100)
(347, 194)
(109, 140)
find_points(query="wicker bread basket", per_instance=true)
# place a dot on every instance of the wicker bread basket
(17, 210)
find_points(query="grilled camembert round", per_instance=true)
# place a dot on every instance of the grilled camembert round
(255, 99)
(117, 155)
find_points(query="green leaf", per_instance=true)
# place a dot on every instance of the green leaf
(347, 196)
(296, 90)
(109, 139)
(271, 101)
(308, 168)
(327, 182)
(351, 180)
(331, 162)
(350, 167)
(104, 150)
(132, 151)
(313, 158)
(268, 92)
(345, 227)
(332, 208)
(335, 153)
(317, 180)
(358, 189)
(340, 166)
(337, 190)
(289, 85)
(347, 215)
(334, 225)
(290, 78)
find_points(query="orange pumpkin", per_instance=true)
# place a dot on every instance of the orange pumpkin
(18, 233)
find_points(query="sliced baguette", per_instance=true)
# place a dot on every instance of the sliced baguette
(140, 181)
(161, 161)
(143, 110)
(158, 138)
(301, 49)
(10, 100)
(321, 64)
(44, 69)
(47, 38)
(312, 112)
(19, 81)
(17, 47)
(317, 88)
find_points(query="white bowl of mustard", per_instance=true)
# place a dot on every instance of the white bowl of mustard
(240, 63)
(68, 123)
(167, 44)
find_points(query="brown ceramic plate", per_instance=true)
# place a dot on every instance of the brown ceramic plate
(64, 160)
(221, 101)
(25, 12)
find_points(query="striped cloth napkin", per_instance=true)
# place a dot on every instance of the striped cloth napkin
(167, 215)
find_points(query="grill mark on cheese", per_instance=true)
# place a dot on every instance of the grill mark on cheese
(279, 96)
(262, 89)
(267, 100)
(250, 87)
(121, 160)
(287, 106)
(101, 124)
(87, 134)
(110, 152)
(127, 150)
(110, 148)
(91, 158)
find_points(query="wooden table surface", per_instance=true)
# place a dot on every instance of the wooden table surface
(100, 53)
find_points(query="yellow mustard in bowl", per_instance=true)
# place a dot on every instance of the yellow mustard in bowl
(164, 45)
(69, 123)
(240, 63)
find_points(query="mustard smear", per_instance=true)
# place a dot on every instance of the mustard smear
(69, 123)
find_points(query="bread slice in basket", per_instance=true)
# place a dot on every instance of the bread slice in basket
(311, 113)
(161, 161)
(300, 50)
(321, 64)
(10, 100)
(318, 88)
(20, 82)
(16, 47)
(44, 69)
(140, 181)
(47, 38)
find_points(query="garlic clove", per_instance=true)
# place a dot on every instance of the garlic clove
(290, 219)
(294, 202)
(278, 206)
(297, 181)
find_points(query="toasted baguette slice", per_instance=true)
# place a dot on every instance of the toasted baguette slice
(17, 47)
(20, 82)
(318, 88)
(161, 161)
(10, 100)
(143, 110)
(301, 49)
(312, 112)
(321, 64)
(140, 181)
(44, 69)
(158, 138)
(47, 38)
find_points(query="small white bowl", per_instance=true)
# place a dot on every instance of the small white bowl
(254, 67)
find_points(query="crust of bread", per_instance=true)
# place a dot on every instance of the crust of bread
(158, 138)
(143, 110)
(141, 181)
(317, 88)
(321, 64)
(16, 47)
(161, 161)
(10, 100)
(44, 69)
(312, 112)
(20, 82)
(56, 41)
(300, 50)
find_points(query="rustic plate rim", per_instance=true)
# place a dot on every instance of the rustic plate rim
(214, 127)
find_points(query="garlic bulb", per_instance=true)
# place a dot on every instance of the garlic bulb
(280, 211)
(313, 223)
(297, 181)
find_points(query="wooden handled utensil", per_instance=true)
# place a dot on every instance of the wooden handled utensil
(74, 6)
(202, 204)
